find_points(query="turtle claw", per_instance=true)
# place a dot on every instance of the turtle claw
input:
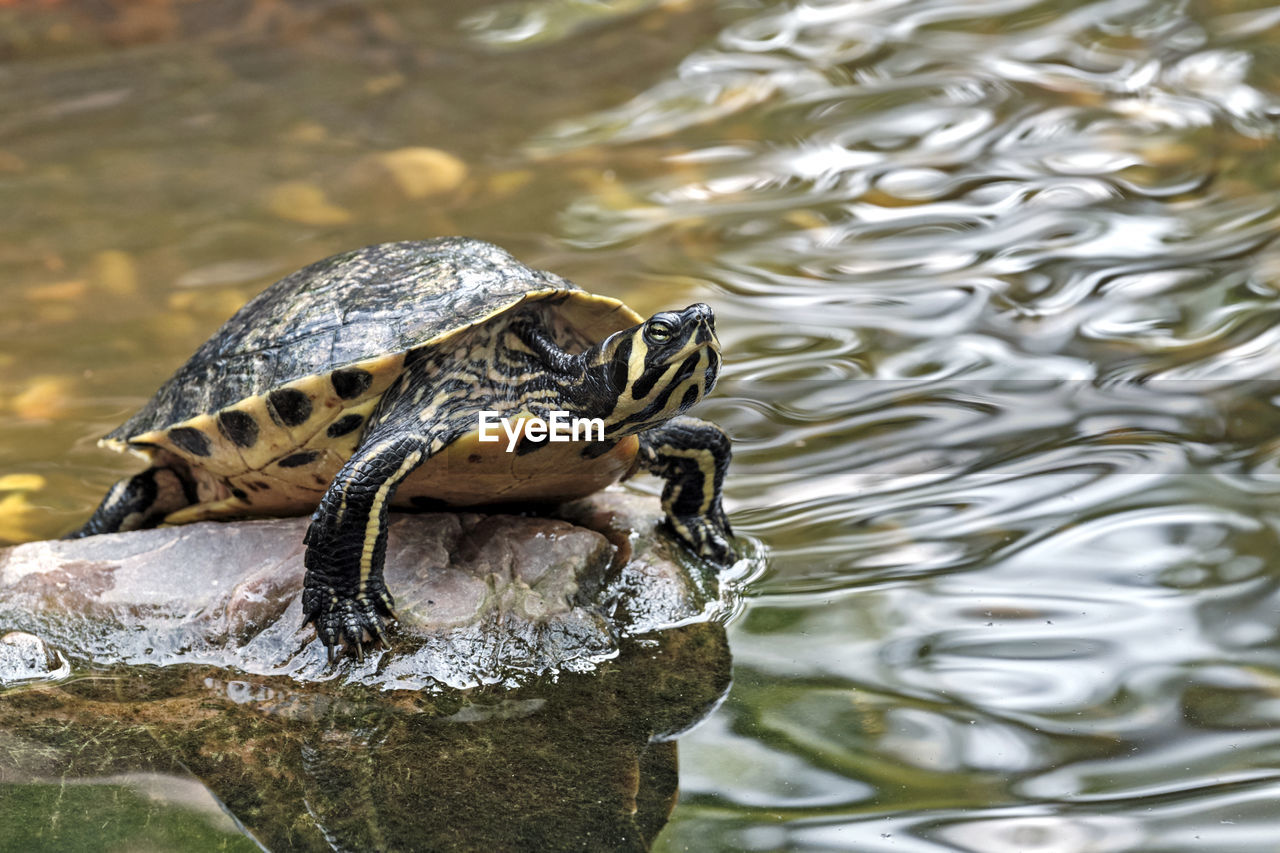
(344, 622)
(380, 637)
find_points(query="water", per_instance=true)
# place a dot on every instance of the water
(997, 287)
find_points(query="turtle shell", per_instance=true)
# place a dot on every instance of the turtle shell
(303, 363)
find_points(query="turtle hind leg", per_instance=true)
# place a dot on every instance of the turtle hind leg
(139, 502)
(692, 456)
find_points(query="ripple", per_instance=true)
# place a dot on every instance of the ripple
(776, 776)
(511, 26)
(1030, 832)
(1000, 281)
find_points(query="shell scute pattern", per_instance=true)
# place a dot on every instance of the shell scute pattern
(309, 323)
(287, 428)
(289, 407)
(238, 427)
(350, 382)
(345, 425)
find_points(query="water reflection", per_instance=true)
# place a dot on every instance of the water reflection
(540, 768)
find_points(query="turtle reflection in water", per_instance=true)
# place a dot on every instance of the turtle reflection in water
(356, 383)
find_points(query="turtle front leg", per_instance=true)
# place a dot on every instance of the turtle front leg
(343, 592)
(139, 502)
(692, 457)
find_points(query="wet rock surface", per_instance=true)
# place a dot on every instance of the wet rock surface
(24, 657)
(481, 598)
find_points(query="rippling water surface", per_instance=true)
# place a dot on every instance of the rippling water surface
(998, 290)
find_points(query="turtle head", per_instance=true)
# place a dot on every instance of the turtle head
(657, 370)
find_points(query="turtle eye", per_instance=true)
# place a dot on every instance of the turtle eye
(658, 332)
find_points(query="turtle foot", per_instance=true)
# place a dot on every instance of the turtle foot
(348, 624)
(706, 538)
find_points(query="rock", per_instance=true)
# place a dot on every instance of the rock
(115, 273)
(24, 657)
(299, 201)
(420, 172)
(482, 599)
(390, 179)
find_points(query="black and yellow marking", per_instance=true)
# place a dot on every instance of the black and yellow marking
(344, 425)
(238, 427)
(141, 501)
(351, 382)
(191, 440)
(692, 457)
(297, 460)
(289, 407)
(654, 369)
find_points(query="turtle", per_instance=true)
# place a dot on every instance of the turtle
(358, 383)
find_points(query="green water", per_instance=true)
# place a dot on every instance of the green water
(997, 288)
